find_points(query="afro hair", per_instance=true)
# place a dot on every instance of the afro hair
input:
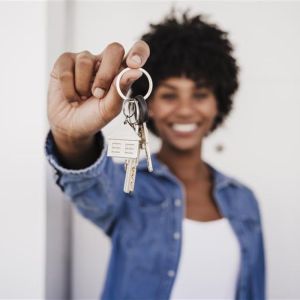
(194, 48)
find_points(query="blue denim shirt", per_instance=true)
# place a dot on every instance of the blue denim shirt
(141, 226)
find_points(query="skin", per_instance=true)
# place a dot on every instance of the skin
(179, 100)
(82, 99)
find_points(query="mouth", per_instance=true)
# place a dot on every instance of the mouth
(184, 129)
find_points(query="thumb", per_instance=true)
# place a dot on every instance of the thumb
(113, 101)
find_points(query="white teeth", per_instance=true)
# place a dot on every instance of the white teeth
(184, 127)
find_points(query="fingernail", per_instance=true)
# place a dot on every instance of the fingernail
(98, 92)
(83, 97)
(137, 59)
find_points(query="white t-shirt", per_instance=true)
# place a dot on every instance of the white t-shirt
(209, 262)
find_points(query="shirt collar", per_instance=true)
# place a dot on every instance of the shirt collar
(221, 181)
(159, 168)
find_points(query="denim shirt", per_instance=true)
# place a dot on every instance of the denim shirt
(144, 226)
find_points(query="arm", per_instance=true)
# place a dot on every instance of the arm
(82, 99)
(96, 189)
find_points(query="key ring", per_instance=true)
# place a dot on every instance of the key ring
(124, 71)
(131, 110)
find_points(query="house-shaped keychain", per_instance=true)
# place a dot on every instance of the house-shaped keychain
(126, 147)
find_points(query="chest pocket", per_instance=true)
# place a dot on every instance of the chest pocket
(149, 194)
(148, 203)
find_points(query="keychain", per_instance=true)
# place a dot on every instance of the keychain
(136, 115)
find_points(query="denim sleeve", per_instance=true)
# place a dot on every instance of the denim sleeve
(256, 240)
(260, 263)
(96, 191)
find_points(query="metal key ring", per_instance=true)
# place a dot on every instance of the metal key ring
(127, 69)
(126, 105)
(135, 114)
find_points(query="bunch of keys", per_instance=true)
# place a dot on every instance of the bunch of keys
(136, 115)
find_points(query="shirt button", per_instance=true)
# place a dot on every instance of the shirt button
(171, 273)
(177, 202)
(176, 235)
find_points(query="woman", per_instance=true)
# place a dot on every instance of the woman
(187, 231)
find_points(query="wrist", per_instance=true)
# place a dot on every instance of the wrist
(76, 153)
(69, 147)
(70, 142)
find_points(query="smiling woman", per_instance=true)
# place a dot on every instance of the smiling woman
(182, 112)
(153, 238)
(193, 49)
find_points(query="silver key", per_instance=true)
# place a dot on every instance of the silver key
(135, 115)
(130, 169)
(131, 164)
(129, 149)
(143, 133)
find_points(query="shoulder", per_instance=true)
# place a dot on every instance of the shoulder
(222, 179)
(239, 196)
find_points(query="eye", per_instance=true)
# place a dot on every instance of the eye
(200, 95)
(168, 96)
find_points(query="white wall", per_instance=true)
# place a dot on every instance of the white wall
(22, 166)
(261, 138)
(58, 223)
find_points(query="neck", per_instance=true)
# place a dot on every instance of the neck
(187, 165)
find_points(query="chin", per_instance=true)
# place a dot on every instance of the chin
(185, 146)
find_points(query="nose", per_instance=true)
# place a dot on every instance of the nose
(185, 108)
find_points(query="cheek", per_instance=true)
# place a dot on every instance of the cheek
(208, 109)
(158, 110)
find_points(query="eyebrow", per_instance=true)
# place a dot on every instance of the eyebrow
(170, 86)
(198, 85)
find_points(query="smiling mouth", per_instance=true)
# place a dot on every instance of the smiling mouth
(184, 128)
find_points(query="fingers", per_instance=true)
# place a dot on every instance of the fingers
(63, 70)
(75, 72)
(84, 69)
(111, 60)
(137, 55)
(113, 103)
(127, 80)
(84, 74)
(136, 58)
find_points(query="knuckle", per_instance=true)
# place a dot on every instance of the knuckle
(103, 81)
(85, 53)
(82, 90)
(70, 96)
(62, 58)
(142, 46)
(116, 47)
(85, 58)
(84, 61)
(65, 55)
(66, 75)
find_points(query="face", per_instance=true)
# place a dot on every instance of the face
(183, 113)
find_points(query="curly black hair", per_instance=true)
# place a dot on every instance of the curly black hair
(195, 48)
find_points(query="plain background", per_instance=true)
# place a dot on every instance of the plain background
(47, 249)
(23, 78)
